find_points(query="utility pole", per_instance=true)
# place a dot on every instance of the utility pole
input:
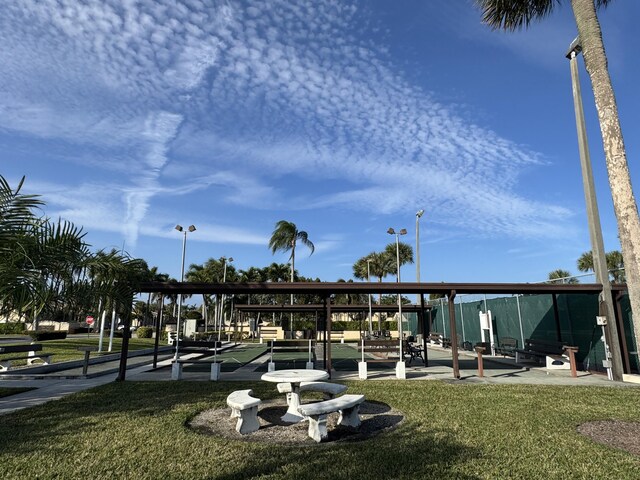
(614, 363)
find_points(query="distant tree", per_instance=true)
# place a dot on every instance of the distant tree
(562, 276)
(615, 265)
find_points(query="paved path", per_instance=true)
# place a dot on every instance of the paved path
(497, 371)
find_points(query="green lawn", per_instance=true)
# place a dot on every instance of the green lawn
(137, 430)
(66, 349)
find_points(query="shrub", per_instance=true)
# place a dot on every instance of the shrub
(144, 332)
(78, 330)
(12, 328)
(41, 336)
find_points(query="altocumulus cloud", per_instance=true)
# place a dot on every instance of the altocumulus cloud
(265, 89)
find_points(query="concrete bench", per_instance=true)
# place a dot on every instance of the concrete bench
(330, 390)
(347, 405)
(244, 407)
(31, 355)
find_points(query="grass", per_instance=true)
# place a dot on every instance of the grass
(65, 350)
(137, 430)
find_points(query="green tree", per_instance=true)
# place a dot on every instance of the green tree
(515, 14)
(285, 237)
(562, 276)
(615, 264)
(404, 251)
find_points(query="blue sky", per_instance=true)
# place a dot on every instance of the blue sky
(342, 117)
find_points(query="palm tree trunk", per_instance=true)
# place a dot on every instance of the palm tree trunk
(624, 202)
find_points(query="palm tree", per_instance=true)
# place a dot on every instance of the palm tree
(563, 275)
(404, 251)
(615, 264)
(515, 14)
(285, 237)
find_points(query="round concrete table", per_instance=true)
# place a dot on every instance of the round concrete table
(294, 378)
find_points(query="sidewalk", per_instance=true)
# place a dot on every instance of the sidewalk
(497, 370)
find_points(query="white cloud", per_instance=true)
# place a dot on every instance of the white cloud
(251, 92)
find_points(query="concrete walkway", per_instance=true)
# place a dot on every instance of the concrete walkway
(497, 370)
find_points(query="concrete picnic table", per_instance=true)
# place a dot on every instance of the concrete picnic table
(294, 377)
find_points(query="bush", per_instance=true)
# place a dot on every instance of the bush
(12, 328)
(78, 330)
(41, 336)
(144, 332)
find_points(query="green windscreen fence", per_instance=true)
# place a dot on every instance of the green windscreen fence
(532, 316)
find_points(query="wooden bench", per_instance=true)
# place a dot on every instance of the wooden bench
(347, 405)
(267, 333)
(507, 347)
(556, 354)
(289, 346)
(204, 347)
(336, 335)
(329, 390)
(31, 357)
(244, 407)
(382, 350)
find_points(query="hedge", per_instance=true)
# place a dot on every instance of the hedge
(12, 328)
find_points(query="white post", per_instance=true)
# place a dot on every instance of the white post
(104, 314)
(113, 328)
(310, 364)
(362, 365)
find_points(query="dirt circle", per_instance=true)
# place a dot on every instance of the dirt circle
(376, 417)
(614, 433)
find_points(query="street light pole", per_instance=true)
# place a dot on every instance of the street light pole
(369, 280)
(419, 214)
(179, 228)
(400, 366)
(614, 363)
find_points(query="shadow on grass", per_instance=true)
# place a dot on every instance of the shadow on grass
(405, 453)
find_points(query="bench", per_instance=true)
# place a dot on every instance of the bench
(31, 357)
(336, 335)
(288, 346)
(436, 338)
(383, 350)
(329, 390)
(412, 351)
(199, 346)
(507, 347)
(267, 333)
(556, 354)
(347, 405)
(244, 407)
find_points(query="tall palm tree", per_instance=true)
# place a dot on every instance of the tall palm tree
(515, 14)
(285, 238)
